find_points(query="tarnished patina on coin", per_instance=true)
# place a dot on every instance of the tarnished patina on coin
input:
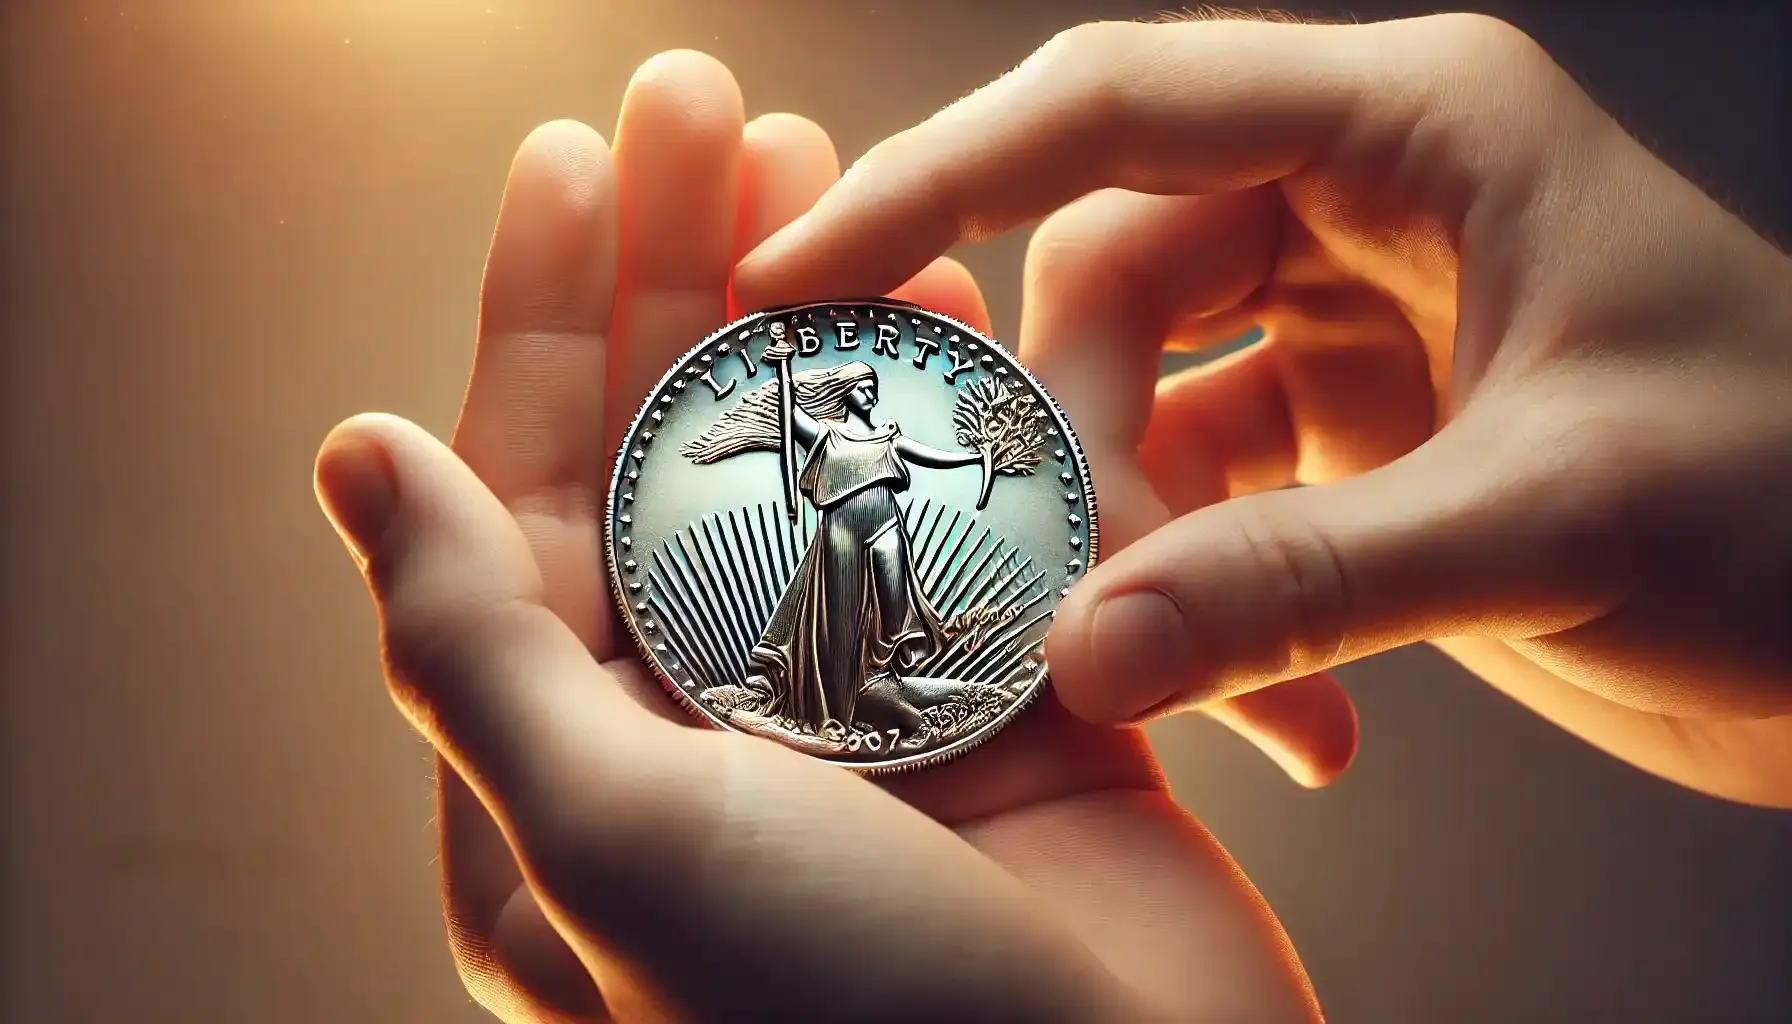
(846, 526)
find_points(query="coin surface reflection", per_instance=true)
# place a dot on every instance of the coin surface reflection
(845, 527)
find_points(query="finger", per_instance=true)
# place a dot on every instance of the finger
(531, 428)
(1193, 108)
(479, 665)
(498, 683)
(1467, 534)
(531, 424)
(1306, 725)
(787, 162)
(1197, 333)
(1107, 279)
(678, 152)
(1219, 430)
(1342, 372)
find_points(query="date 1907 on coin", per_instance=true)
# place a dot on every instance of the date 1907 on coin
(846, 526)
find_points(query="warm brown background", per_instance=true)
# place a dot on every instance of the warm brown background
(227, 224)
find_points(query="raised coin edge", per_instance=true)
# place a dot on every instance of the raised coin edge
(914, 762)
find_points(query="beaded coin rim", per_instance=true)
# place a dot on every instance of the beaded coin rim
(691, 706)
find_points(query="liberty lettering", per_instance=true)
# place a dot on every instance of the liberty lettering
(928, 347)
(888, 338)
(715, 386)
(960, 363)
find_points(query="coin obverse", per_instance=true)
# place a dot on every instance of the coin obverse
(846, 526)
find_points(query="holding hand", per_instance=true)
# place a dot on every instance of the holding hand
(603, 858)
(1539, 380)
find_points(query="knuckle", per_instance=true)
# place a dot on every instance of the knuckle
(1090, 43)
(1300, 585)
(1483, 38)
(1579, 466)
(1086, 69)
(1490, 61)
(1058, 255)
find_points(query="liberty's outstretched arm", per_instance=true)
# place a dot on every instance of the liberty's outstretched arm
(934, 458)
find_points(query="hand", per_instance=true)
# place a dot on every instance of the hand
(602, 857)
(1538, 379)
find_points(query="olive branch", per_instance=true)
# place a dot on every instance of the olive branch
(1003, 424)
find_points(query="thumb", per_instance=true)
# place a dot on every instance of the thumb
(1472, 533)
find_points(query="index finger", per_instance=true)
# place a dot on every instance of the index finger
(1186, 108)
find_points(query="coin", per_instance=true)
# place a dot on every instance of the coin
(846, 526)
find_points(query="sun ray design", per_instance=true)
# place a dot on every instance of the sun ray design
(714, 585)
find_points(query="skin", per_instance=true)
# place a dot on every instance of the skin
(1536, 379)
(602, 857)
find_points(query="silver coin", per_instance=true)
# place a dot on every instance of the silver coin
(846, 526)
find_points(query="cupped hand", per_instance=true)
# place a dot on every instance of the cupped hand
(603, 857)
(1538, 380)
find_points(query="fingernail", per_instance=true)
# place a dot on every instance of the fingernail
(1140, 640)
(357, 485)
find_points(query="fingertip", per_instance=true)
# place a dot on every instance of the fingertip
(355, 478)
(691, 84)
(554, 241)
(1123, 652)
(1307, 726)
(1083, 684)
(1219, 429)
(794, 133)
(565, 162)
(561, 135)
(680, 62)
(351, 446)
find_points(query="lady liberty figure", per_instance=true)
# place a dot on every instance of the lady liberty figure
(855, 617)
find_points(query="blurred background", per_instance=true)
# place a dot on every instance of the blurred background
(229, 223)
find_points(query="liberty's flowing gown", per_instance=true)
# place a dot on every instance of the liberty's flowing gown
(855, 611)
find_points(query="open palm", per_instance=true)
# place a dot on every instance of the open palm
(605, 858)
